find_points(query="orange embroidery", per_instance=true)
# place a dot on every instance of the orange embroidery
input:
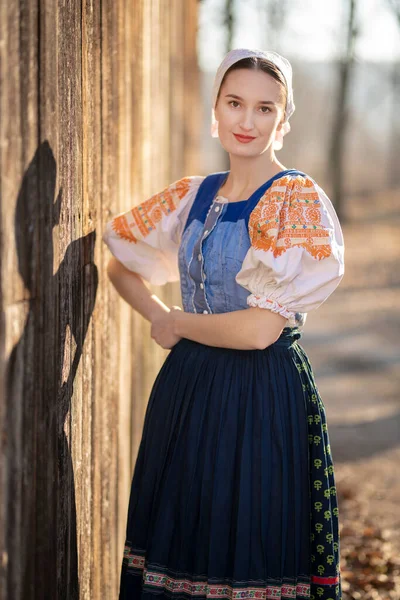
(121, 228)
(138, 222)
(288, 215)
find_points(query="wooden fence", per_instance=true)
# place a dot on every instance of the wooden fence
(98, 104)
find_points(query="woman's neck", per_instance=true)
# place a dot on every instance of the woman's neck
(246, 176)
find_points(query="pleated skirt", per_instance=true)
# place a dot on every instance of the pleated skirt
(233, 492)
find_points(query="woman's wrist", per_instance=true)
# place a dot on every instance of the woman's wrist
(157, 308)
(178, 317)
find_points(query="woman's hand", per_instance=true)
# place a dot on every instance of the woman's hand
(163, 326)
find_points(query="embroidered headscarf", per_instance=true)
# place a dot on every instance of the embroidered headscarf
(283, 65)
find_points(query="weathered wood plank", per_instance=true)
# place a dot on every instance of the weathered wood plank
(93, 121)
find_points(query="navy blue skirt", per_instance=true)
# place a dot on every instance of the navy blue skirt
(233, 492)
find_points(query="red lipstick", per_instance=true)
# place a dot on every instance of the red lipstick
(244, 139)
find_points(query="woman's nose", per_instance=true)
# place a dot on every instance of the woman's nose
(247, 122)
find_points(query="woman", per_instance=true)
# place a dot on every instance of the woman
(233, 493)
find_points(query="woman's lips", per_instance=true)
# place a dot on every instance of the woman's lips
(244, 139)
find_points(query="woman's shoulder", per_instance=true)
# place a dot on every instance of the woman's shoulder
(290, 187)
(295, 203)
(294, 178)
(184, 185)
(295, 185)
(189, 180)
(177, 194)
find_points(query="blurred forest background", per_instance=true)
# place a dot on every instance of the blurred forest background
(346, 134)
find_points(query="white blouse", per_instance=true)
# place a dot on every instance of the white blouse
(146, 238)
(296, 255)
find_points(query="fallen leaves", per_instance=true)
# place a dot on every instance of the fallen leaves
(370, 562)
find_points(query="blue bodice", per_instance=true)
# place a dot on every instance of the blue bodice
(214, 243)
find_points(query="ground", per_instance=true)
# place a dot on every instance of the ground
(353, 342)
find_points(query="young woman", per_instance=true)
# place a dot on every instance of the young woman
(233, 493)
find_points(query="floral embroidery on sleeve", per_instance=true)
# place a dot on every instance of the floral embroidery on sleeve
(137, 223)
(289, 214)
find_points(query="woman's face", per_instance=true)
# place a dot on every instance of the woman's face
(249, 104)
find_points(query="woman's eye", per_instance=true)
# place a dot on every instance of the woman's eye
(264, 109)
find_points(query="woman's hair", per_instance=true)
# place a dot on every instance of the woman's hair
(259, 64)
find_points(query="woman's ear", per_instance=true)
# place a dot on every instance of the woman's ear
(281, 122)
(216, 110)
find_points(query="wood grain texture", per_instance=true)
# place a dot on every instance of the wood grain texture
(98, 104)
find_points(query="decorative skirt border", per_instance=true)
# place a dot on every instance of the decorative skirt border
(193, 586)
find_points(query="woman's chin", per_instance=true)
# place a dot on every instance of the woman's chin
(238, 149)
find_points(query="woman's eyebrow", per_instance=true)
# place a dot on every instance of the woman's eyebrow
(239, 98)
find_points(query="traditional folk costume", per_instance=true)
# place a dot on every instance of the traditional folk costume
(233, 493)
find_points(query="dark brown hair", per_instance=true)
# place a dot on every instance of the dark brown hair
(259, 64)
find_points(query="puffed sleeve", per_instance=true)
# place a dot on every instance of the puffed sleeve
(146, 238)
(296, 257)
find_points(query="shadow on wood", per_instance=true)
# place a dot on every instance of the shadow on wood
(39, 391)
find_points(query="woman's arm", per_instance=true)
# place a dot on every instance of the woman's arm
(252, 328)
(133, 290)
(248, 329)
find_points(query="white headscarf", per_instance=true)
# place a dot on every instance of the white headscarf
(283, 65)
